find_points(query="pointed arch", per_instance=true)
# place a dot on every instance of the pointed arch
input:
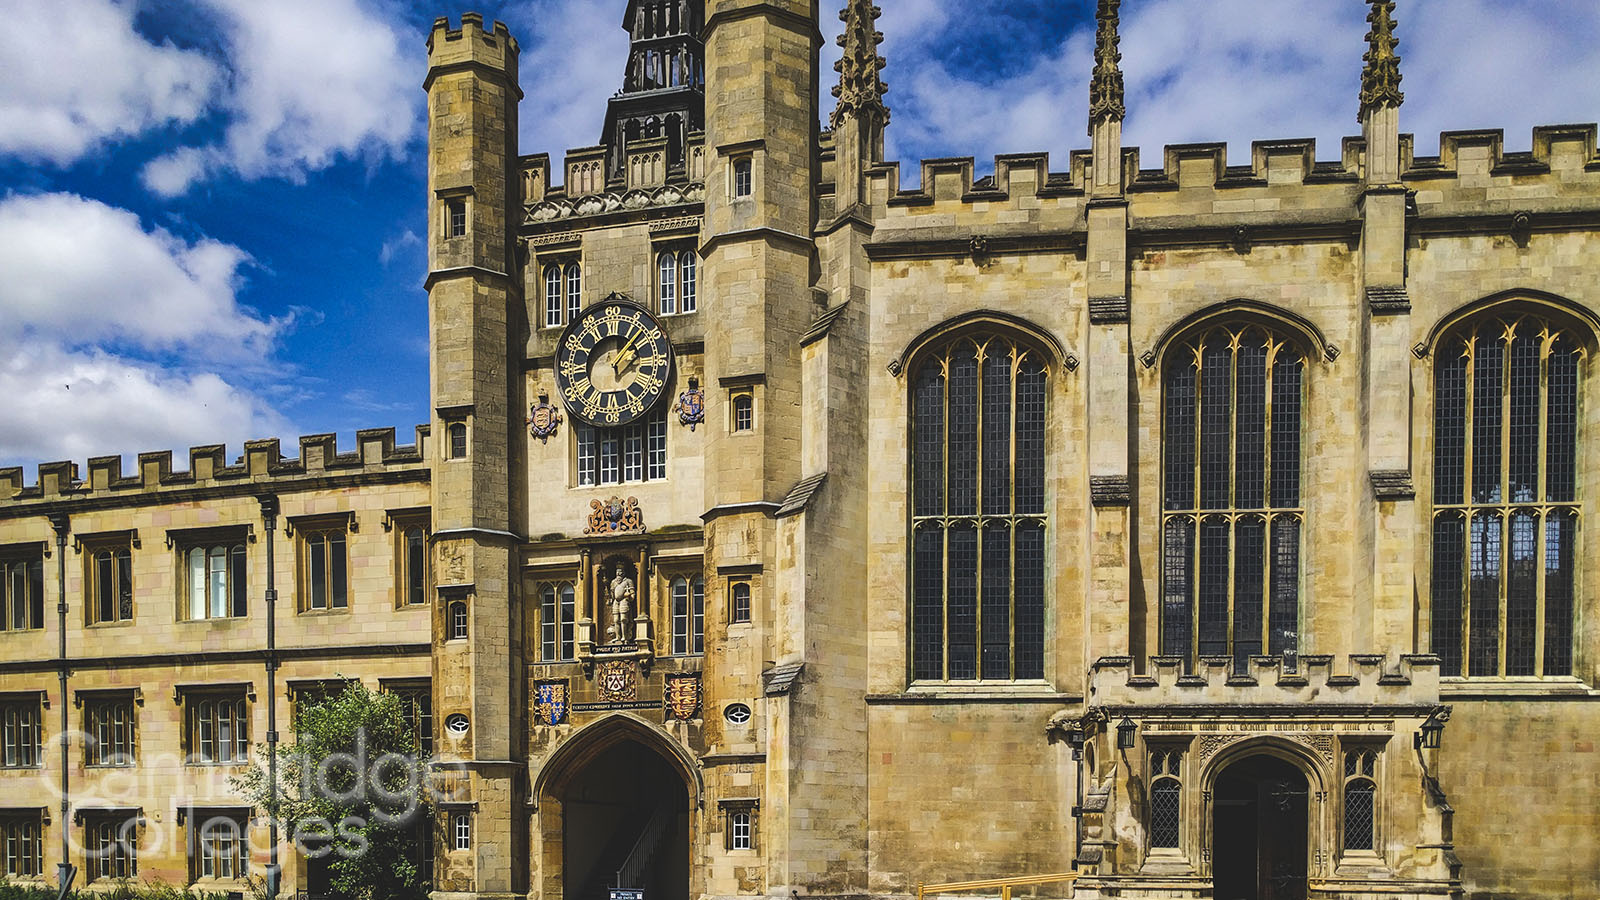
(985, 319)
(1243, 310)
(1583, 319)
(1302, 757)
(588, 742)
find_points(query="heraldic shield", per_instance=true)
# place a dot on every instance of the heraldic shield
(550, 702)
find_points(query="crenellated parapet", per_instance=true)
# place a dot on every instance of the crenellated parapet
(261, 465)
(471, 44)
(1359, 681)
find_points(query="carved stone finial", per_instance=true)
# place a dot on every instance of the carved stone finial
(860, 89)
(1380, 76)
(1105, 87)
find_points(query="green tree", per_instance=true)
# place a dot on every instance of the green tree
(352, 792)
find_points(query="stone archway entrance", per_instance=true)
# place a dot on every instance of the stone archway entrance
(625, 823)
(1259, 831)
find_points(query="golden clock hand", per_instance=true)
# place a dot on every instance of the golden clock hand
(625, 355)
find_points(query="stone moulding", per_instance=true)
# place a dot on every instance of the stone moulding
(1392, 484)
(1109, 490)
(612, 201)
(1314, 687)
(1108, 310)
(1388, 301)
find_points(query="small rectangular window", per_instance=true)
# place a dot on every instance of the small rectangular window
(19, 732)
(22, 591)
(553, 297)
(20, 843)
(574, 290)
(457, 432)
(557, 603)
(108, 582)
(111, 848)
(456, 621)
(324, 565)
(744, 412)
(687, 264)
(688, 615)
(627, 453)
(667, 286)
(456, 218)
(109, 732)
(218, 846)
(739, 602)
(218, 729)
(461, 831)
(739, 824)
(211, 580)
(742, 186)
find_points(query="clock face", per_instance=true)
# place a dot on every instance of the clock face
(612, 363)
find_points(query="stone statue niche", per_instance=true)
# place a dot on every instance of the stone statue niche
(619, 591)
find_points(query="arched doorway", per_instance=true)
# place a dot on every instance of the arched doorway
(1259, 830)
(616, 808)
(626, 824)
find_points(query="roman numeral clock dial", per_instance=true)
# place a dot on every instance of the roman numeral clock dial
(613, 363)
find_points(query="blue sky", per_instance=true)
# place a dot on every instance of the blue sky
(210, 209)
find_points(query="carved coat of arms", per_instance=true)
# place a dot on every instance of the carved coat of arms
(550, 702)
(615, 516)
(691, 405)
(617, 681)
(683, 697)
(544, 419)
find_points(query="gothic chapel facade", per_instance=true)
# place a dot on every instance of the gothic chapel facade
(1181, 529)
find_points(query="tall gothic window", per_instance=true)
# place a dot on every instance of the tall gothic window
(1505, 510)
(978, 511)
(1231, 513)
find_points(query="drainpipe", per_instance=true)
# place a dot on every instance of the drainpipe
(65, 871)
(269, 521)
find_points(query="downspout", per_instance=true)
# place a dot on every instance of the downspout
(65, 871)
(269, 521)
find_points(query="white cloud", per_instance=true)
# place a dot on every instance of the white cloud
(59, 404)
(1235, 71)
(314, 81)
(407, 242)
(114, 338)
(77, 74)
(573, 54)
(77, 271)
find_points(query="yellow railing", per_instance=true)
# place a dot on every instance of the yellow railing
(1004, 884)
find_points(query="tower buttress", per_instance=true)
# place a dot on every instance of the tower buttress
(1110, 347)
(1383, 605)
(475, 323)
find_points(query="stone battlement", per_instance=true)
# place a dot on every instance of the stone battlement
(472, 43)
(1560, 152)
(262, 462)
(1363, 680)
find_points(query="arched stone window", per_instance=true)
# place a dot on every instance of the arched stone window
(688, 615)
(552, 296)
(1166, 798)
(1360, 800)
(1231, 507)
(978, 530)
(1506, 469)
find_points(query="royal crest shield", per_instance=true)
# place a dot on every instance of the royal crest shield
(544, 419)
(616, 681)
(683, 697)
(550, 703)
(691, 405)
(615, 516)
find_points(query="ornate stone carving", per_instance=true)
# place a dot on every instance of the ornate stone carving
(1211, 744)
(620, 597)
(1380, 76)
(1322, 743)
(683, 697)
(691, 405)
(550, 702)
(544, 420)
(1105, 86)
(617, 681)
(860, 89)
(615, 516)
(612, 201)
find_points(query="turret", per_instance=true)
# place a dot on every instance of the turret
(475, 320)
(663, 88)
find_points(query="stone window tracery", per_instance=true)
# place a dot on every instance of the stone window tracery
(1360, 799)
(1505, 502)
(978, 510)
(1232, 511)
(1166, 798)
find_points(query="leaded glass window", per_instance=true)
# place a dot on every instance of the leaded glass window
(1360, 799)
(557, 620)
(1166, 796)
(552, 296)
(1231, 510)
(688, 615)
(978, 511)
(1505, 510)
